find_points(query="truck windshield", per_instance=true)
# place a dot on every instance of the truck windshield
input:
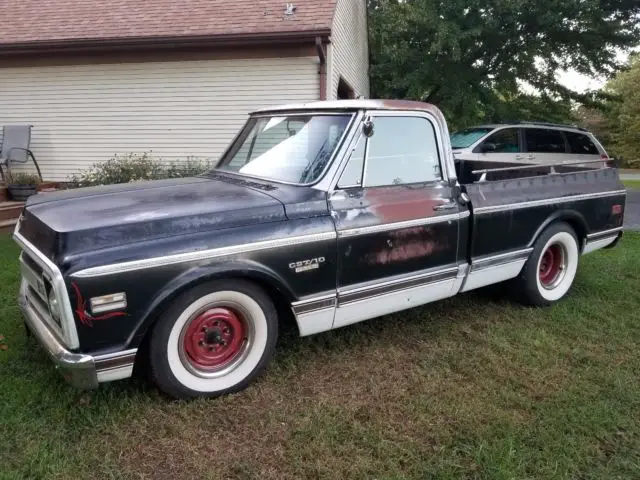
(467, 137)
(286, 148)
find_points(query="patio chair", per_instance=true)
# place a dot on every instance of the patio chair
(15, 148)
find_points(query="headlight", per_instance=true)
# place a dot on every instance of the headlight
(54, 306)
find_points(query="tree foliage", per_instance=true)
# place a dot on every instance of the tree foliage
(472, 57)
(624, 112)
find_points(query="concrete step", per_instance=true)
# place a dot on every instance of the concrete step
(10, 210)
(8, 226)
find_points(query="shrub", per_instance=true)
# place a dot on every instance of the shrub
(22, 179)
(135, 168)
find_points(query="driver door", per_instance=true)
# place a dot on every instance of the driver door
(397, 220)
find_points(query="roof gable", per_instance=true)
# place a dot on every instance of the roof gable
(33, 22)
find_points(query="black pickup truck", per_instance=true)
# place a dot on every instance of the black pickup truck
(326, 214)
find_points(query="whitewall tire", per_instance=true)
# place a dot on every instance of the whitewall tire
(214, 339)
(551, 268)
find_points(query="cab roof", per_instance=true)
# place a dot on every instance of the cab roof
(351, 105)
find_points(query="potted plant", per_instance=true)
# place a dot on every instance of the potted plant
(22, 185)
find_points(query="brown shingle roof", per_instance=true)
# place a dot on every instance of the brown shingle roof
(60, 21)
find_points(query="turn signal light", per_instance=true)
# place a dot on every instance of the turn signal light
(106, 303)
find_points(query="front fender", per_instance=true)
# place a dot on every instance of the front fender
(246, 269)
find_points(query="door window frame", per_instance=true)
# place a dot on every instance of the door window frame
(372, 114)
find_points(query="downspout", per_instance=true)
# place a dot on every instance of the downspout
(322, 68)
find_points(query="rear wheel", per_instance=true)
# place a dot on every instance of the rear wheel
(214, 339)
(551, 268)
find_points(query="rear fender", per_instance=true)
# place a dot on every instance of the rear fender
(572, 217)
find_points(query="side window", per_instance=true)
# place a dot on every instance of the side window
(503, 141)
(402, 150)
(581, 144)
(352, 174)
(540, 140)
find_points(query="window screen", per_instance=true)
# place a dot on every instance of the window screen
(540, 140)
(402, 150)
(581, 144)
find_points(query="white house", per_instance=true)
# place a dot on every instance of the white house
(98, 78)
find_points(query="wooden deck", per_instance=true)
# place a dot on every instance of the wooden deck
(9, 214)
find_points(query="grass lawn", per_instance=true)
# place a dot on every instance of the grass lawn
(635, 184)
(471, 387)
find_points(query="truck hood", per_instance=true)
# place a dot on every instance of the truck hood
(96, 217)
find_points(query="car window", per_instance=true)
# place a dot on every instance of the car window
(505, 141)
(581, 144)
(467, 137)
(291, 148)
(401, 150)
(540, 140)
(352, 175)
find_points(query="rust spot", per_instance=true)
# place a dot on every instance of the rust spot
(404, 245)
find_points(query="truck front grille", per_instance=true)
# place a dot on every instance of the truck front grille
(36, 288)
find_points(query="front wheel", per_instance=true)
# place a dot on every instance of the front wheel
(551, 268)
(214, 339)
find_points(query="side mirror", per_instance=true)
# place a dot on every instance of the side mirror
(487, 147)
(367, 128)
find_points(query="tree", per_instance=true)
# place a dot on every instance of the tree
(472, 57)
(624, 112)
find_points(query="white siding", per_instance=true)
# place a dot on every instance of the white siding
(349, 48)
(83, 114)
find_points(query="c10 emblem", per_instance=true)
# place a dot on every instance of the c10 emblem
(306, 265)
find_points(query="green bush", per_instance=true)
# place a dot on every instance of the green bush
(135, 168)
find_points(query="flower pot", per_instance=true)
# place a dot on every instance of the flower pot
(20, 193)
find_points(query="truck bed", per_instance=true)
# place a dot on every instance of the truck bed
(467, 170)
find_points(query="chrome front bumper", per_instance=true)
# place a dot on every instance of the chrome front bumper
(78, 369)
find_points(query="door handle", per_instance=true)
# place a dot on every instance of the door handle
(445, 206)
(529, 156)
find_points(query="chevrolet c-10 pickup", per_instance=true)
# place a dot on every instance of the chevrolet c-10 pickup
(323, 214)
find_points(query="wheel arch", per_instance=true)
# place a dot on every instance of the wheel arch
(573, 218)
(277, 288)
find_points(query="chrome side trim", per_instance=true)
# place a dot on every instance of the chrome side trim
(70, 333)
(112, 374)
(492, 274)
(420, 222)
(201, 255)
(314, 304)
(603, 233)
(493, 260)
(597, 244)
(357, 294)
(364, 309)
(115, 360)
(546, 201)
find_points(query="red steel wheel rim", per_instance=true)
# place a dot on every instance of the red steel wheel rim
(214, 338)
(550, 265)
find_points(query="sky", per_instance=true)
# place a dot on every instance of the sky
(581, 83)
